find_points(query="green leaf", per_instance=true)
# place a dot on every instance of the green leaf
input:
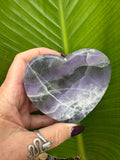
(66, 26)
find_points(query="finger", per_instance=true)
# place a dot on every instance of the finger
(17, 69)
(28, 55)
(57, 133)
(37, 121)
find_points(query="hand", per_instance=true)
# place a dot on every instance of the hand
(15, 113)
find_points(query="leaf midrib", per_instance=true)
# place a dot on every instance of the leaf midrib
(66, 51)
(80, 145)
(63, 28)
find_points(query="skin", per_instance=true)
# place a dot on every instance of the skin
(15, 113)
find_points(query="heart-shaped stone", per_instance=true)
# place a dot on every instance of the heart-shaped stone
(67, 89)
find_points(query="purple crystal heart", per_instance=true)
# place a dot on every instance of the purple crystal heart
(67, 88)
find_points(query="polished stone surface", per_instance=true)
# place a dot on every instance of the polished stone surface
(67, 88)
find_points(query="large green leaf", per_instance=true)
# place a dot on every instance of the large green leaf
(66, 26)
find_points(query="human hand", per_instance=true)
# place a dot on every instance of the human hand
(16, 109)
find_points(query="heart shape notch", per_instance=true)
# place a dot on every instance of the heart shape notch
(67, 88)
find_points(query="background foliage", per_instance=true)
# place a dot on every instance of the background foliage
(66, 26)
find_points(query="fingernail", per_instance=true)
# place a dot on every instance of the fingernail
(64, 55)
(76, 130)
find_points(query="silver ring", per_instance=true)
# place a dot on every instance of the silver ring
(40, 145)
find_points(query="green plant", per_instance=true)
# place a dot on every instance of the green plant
(66, 26)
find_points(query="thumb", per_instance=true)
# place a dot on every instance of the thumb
(57, 133)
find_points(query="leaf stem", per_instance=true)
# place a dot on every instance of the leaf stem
(81, 146)
(66, 49)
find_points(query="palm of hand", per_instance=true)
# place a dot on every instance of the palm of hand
(18, 107)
